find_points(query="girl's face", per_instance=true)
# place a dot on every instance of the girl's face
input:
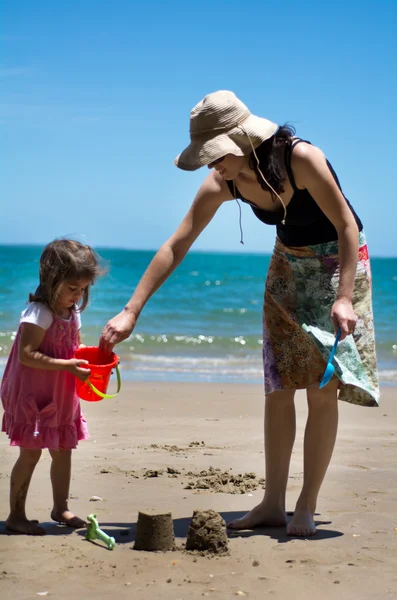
(71, 292)
(229, 166)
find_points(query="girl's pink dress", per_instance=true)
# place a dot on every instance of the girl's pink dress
(42, 409)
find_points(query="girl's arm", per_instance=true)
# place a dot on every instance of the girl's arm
(81, 345)
(212, 193)
(311, 172)
(30, 356)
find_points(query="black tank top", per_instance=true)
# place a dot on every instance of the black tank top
(305, 224)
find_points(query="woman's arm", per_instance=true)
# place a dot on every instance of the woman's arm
(212, 193)
(311, 172)
(29, 355)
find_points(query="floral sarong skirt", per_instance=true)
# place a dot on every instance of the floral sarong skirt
(298, 333)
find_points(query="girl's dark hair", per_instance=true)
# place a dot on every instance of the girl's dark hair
(62, 261)
(271, 159)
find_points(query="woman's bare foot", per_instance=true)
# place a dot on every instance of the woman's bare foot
(260, 516)
(68, 518)
(302, 524)
(24, 526)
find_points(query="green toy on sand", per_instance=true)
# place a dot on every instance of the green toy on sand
(95, 533)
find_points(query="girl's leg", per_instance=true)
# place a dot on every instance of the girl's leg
(20, 481)
(61, 468)
(279, 441)
(320, 436)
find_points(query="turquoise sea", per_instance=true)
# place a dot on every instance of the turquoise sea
(204, 324)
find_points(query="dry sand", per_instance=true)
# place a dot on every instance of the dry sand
(168, 447)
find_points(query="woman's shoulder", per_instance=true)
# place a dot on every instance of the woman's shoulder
(307, 161)
(216, 187)
(303, 151)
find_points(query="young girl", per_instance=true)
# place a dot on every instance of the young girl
(38, 390)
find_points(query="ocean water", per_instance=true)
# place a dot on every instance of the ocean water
(205, 322)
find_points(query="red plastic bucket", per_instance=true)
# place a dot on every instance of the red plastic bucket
(101, 365)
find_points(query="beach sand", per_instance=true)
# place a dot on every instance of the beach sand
(152, 427)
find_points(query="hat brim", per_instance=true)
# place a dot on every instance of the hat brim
(205, 149)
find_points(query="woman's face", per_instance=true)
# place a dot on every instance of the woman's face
(229, 166)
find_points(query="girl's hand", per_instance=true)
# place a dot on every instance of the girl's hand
(116, 330)
(74, 367)
(343, 316)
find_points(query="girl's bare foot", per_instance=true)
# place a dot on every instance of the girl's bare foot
(24, 526)
(260, 516)
(302, 524)
(68, 518)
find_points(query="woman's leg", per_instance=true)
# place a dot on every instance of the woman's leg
(279, 441)
(61, 469)
(320, 436)
(21, 476)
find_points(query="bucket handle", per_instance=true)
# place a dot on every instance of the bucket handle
(101, 394)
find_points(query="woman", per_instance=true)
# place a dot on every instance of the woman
(318, 281)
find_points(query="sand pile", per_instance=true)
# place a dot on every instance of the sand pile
(225, 482)
(154, 532)
(207, 533)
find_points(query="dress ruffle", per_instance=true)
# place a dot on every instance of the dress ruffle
(25, 435)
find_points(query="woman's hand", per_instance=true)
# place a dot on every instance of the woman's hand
(117, 329)
(343, 316)
(74, 367)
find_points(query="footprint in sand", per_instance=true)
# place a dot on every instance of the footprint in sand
(359, 467)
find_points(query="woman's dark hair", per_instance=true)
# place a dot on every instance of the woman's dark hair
(271, 159)
(62, 261)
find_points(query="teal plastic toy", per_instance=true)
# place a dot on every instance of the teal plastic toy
(330, 369)
(95, 533)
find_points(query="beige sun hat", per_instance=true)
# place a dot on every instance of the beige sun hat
(221, 124)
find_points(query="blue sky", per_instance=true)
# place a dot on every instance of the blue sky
(96, 96)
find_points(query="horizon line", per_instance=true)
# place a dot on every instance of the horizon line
(154, 250)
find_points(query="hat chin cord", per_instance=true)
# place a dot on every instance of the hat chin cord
(262, 175)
